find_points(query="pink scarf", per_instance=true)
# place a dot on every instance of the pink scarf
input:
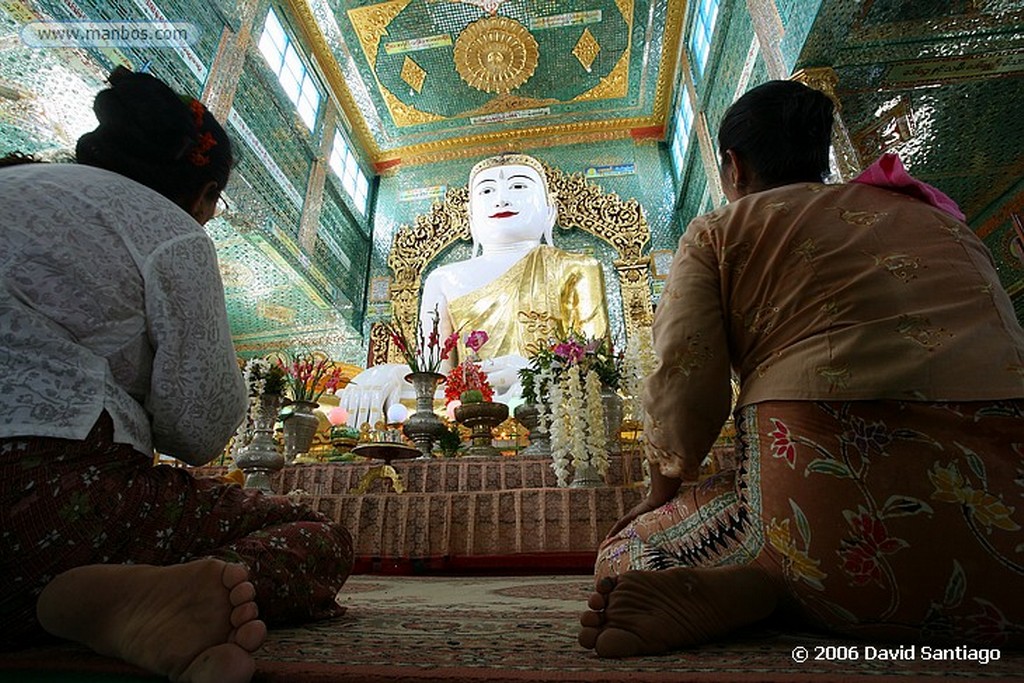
(888, 172)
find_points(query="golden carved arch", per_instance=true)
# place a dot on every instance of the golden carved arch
(582, 205)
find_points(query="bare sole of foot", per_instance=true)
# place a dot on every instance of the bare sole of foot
(194, 623)
(647, 613)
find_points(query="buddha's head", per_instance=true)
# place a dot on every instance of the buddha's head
(509, 202)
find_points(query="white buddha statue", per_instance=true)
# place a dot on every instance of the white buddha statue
(518, 290)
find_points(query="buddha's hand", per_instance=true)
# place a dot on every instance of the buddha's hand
(370, 393)
(503, 374)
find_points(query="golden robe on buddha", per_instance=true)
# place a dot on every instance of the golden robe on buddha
(543, 296)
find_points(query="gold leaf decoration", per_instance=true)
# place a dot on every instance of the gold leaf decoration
(371, 24)
(495, 54)
(413, 74)
(587, 49)
(403, 114)
(615, 84)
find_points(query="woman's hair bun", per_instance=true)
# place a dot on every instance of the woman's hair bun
(156, 137)
(140, 116)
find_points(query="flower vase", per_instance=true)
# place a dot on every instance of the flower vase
(299, 429)
(585, 476)
(260, 458)
(528, 415)
(613, 408)
(481, 418)
(424, 427)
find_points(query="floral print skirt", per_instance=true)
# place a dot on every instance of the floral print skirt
(66, 503)
(881, 519)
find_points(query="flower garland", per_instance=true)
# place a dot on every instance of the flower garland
(560, 448)
(597, 439)
(638, 363)
(544, 379)
(577, 428)
(260, 377)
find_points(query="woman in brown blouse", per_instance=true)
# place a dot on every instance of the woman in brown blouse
(880, 419)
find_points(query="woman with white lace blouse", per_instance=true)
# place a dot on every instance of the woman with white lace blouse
(114, 342)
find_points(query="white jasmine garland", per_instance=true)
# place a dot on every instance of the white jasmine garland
(544, 382)
(596, 447)
(577, 417)
(559, 438)
(238, 440)
(638, 363)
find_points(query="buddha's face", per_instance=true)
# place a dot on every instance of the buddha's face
(509, 204)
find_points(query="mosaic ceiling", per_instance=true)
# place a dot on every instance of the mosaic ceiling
(423, 80)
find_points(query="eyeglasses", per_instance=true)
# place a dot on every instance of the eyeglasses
(220, 207)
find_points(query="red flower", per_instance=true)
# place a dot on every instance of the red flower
(782, 445)
(198, 112)
(465, 377)
(449, 345)
(871, 540)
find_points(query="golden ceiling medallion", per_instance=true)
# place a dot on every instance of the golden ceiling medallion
(495, 54)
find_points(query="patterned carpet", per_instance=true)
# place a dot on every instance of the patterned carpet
(505, 629)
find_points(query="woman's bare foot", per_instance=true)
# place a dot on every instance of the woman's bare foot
(194, 622)
(652, 612)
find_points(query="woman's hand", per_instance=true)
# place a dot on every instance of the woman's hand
(644, 506)
(663, 489)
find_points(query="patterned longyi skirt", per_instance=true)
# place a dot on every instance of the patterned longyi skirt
(880, 519)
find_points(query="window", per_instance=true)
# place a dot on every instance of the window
(703, 29)
(280, 53)
(343, 163)
(681, 132)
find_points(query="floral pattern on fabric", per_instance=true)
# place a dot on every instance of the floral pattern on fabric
(66, 503)
(111, 300)
(883, 519)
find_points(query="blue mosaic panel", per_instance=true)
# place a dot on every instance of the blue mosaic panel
(184, 69)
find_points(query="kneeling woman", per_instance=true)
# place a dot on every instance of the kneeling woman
(880, 419)
(114, 342)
